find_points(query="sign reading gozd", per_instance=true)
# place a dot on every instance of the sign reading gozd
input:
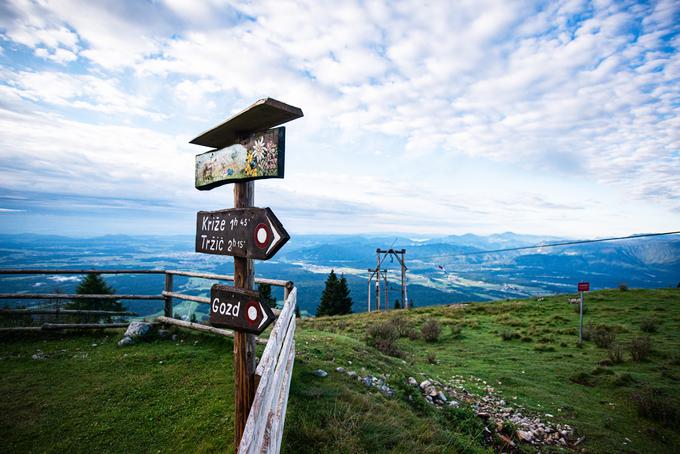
(238, 309)
(253, 233)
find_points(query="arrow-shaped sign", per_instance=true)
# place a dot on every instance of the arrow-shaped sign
(238, 309)
(254, 233)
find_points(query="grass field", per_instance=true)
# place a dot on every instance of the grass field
(165, 396)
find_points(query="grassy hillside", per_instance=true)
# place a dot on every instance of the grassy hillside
(166, 396)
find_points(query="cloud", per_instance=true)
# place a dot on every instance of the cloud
(570, 89)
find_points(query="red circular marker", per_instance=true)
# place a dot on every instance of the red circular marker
(253, 313)
(263, 235)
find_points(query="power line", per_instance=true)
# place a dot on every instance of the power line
(565, 243)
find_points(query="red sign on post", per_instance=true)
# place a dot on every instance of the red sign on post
(584, 286)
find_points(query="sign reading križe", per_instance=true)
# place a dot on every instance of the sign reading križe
(253, 233)
(584, 286)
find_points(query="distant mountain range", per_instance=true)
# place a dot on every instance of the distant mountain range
(443, 269)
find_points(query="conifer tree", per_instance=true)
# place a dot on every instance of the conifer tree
(335, 299)
(265, 291)
(344, 302)
(328, 296)
(93, 284)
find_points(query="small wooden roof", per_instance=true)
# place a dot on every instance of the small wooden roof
(263, 114)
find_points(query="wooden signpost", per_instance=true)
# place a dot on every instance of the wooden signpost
(238, 309)
(253, 233)
(246, 150)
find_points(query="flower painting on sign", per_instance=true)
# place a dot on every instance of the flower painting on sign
(256, 157)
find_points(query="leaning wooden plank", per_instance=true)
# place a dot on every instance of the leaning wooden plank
(60, 326)
(278, 332)
(50, 271)
(280, 414)
(204, 328)
(66, 296)
(278, 384)
(61, 311)
(270, 382)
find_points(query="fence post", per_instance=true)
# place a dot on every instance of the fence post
(167, 307)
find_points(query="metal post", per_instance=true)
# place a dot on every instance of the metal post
(244, 343)
(404, 299)
(580, 329)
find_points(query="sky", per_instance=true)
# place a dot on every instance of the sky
(551, 118)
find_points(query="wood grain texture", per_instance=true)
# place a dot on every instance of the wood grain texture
(260, 434)
(244, 344)
(263, 114)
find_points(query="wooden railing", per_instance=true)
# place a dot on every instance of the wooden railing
(167, 296)
(264, 427)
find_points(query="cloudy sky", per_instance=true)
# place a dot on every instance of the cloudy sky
(558, 117)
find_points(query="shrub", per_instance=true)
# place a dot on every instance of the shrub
(640, 348)
(431, 330)
(603, 336)
(413, 335)
(649, 325)
(432, 358)
(582, 378)
(615, 353)
(623, 380)
(456, 330)
(507, 335)
(383, 336)
(623, 287)
(653, 404)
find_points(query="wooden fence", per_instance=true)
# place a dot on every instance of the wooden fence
(167, 296)
(264, 427)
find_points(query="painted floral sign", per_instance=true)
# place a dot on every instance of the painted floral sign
(257, 157)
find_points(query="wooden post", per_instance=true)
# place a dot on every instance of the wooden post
(404, 299)
(244, 344)
(377, 280)
(387, 298)
(167, 307)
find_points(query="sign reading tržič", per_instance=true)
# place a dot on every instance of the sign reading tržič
(253, 233)
(238, 309)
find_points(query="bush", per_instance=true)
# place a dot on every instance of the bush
(383, 336)
(640, 348)
(432, 358)
(603, 336)
(650, 325)
(623, 287)
(507, 335)
(653, 404)
(456, 330)
(413, 335)
(431, 330)
(615, 353)
(582, 378)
